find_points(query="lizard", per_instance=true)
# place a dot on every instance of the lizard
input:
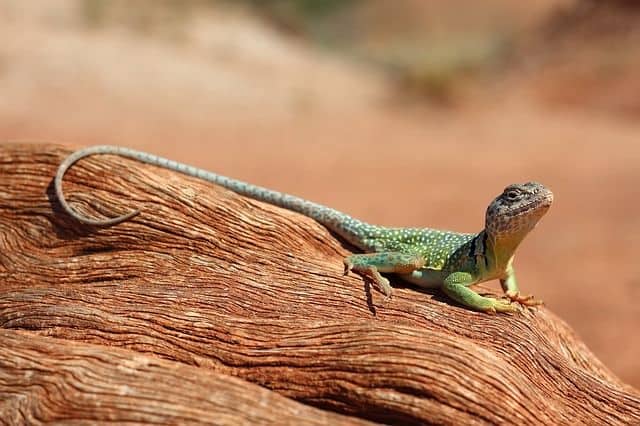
(429, 258)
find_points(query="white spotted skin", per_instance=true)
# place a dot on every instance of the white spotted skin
(437, 247)
(485, 255)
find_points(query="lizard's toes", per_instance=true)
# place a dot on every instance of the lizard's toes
(491, 311)
(386, 288)
(500, 306)
(531, 302)
(524, 300)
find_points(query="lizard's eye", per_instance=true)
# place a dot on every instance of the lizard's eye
(513, 195)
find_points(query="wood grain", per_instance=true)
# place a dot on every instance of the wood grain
(50, 380)
(207, 284)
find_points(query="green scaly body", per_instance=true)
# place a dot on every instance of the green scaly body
(425, 257)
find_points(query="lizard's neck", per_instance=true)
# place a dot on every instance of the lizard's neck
(501, 248)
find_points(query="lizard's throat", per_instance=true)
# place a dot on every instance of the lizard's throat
(502, 247)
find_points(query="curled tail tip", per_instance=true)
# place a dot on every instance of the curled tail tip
(105, 222)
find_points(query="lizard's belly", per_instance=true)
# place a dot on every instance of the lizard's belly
(426, 278)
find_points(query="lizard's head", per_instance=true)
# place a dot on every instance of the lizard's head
(517, 210)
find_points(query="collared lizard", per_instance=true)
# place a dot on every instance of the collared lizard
(429, 258)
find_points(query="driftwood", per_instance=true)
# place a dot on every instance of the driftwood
(148, 320)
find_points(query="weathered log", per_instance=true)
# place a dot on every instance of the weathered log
(216, 284)
(46, 380)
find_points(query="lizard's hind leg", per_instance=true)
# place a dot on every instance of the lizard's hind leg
(372, 264)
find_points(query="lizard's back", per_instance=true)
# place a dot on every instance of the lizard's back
(437, 247)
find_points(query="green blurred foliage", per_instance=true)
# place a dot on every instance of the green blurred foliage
(436, 69)
(305, 9)
(424, 64)
(322, 21)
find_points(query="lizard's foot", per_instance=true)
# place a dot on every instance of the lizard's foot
(499, 306)
(515, 296)
(371, 271)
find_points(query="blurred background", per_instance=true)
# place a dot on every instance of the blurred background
(408, 113)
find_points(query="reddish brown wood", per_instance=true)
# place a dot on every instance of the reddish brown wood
(46, 379)
(213, 285)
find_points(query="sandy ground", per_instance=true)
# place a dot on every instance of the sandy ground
(232, 96)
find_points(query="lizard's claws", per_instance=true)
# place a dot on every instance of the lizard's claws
(523, 300)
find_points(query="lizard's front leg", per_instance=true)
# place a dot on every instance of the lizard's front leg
(372, 264)
(510, 287)
(456, 287)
